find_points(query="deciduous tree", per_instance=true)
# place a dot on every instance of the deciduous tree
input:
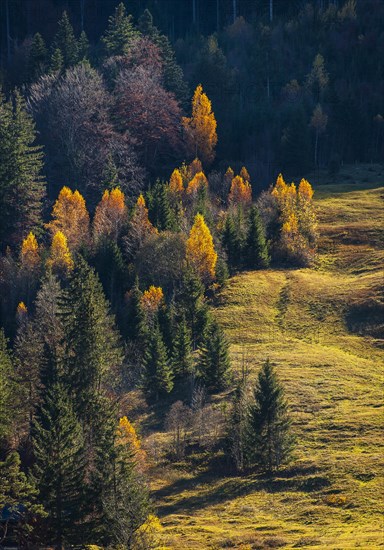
(201, 254)
(60, 259)
(70, 217)
(110, 215)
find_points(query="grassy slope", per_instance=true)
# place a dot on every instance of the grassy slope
(333, 494)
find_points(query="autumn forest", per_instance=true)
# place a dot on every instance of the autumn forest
(160, 164)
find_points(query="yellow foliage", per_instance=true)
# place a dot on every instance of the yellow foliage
(176, 182)
(152, 298)
(126, 435)
(149, 533)
(305, 190)
(195, 167)
(21, 310)
(110, 214)
(240, 192)
(60, 260)
(140, 201)
(201, 127)
(245, 174)
(197, 182)
(30, 255)
(70, 216)
(201, 253)
(280, 187)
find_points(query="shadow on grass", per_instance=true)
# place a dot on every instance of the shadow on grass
(208, 489)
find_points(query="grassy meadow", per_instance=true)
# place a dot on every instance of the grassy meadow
(323, 330)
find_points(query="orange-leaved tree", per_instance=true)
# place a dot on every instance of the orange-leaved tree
(176, 186)
(201, 254)
(110, 215)
(70, 216)
(151, 301)
(30, 254)
(60, 259)
(240, 192)
(200, 128)
(199, 181)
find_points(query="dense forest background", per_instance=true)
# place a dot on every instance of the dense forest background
(294, 85)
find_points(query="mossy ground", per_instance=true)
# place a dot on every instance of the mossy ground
(323, 330)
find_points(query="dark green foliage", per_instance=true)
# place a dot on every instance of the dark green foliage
(65, 41)
(83, 46)
(296, 144)
(269, 439)
(159, 207)
(59, 469)
(19, 495)
(222, 272)
(120, 32)
(173, 73)
(135, 317)
(256, 248)
(22, 187)
(181, 360)
(56, 61)
(167, 322)
(111, 269)
(37, 58)
(232, 241)
(192, 304)
(158, 376)
(7, 388)
(92, 342)
(237, 428)
(214, 364)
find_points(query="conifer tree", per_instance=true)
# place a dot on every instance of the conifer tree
(181, 359)
(22, 188)
(200, 128)
(83, 46)
(56, 62)
(93, 346)
(232, 241)
(120, 32)
(37, 58)
(159, 206)
(7, 388)
(59, 469)
(238, 427)
(214, 364)
(256, 248)
(65, 41)
(269, 439)
(110, 215)
(158, 376)
(191, 299)
(136, 326)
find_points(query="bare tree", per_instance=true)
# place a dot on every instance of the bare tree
(178, 421)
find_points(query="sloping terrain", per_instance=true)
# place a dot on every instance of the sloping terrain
(323, 329)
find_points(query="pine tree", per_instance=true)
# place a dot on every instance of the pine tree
(238, 426)
(191, 300)
(37, 58)
(232, 242)
(269, 440)
(136, 326)
(256, 247)
(214, 364)
(56, 62)
(158, 377)
(83, 46)
(120, 32)
(201, 127)
(22, 188)
(7, 389)
(93, 343)
(159, 208)
(181, 358)
(65, 41)
(59, 469)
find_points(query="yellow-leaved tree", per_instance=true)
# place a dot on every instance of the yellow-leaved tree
(199, 181)
(151, 300)
(110, 215)
(126, 435)
(30, 254)
(240, 192)
(70, 216)
(60, 259)
(200, 128)
(176, 186)
(201, 254)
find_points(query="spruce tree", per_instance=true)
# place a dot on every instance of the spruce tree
(120, 32)
(158, 376)
(232, 242)
(56, 62)
(256, 247)
(7, 388)
(136, 326)
(37, 58)
(65, 41)
(83, 46)
(92, 342)
(192, 304)
(269, 439)
(181, 359)
(159, 207)
(22, 187)
(214, 364)
(59, 470)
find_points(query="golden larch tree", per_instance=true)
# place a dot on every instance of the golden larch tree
(110, 215)
(200, 128)
(60, 259)
(201, 254)
(30, 254)
(70, 216)
(194, 167)
(245, 174)
(127, 436)
(199, 181)
(240, 192)
(152, 299)
(176, 186)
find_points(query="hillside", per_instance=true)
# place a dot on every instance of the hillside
(321, 328)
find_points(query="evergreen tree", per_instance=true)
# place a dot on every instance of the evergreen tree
(93, 347)
(7, 388)
(269, 441)
(158, 377)
(120, 32)
(83, 46)
(65, 41)
(181, 359)
(56, 62)
(59, 469)
(214, 364)
(256, 248)
(166, 317)
(232, 242)
(37, 58)
(22, 187)
(159, 208)
(191, 300)
(136, 325)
